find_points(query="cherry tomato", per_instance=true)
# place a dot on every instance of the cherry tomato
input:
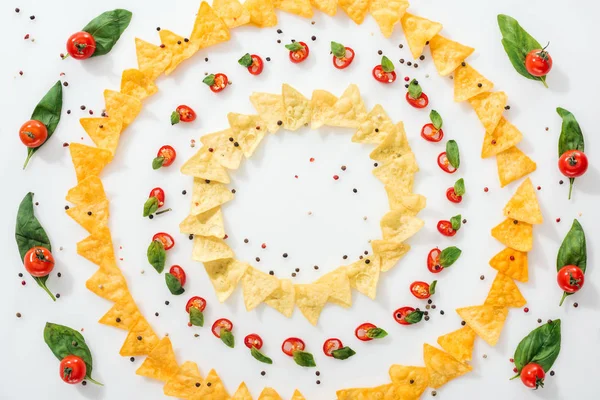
(179, 273)
(433, 261)
(253, 340)
(384, 77)
(186, 114)
(421, 102)
(166, 239)
(532, 376)
(331, 345)
(401, 313)
(159, 194)
(81, 45)
(197, 302)
(291, 345)
(222, 323)
(166, 156)
(538, 62)
(39, 261)
(344, 62)
(444, 163)
(298, 56)
(451, 195)
(445, 228)
(573, 163)
(570, 278)
(33, 133)
(257, 65)
(220, 84)
(431, 134)
(362, 330)
(72, 369)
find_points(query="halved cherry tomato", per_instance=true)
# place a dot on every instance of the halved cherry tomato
(33, 133)
(179, 273)
(159, 194)
(433, 261)
(166, 239)
(222, 323)
(297, 56)
(344, 62)
(570, 278)
(431, 134)
(81, 45)
(196, 302)
(401, 313)
(451, 195)
(220, 84)
(532, 376)
(253, 340)
(257, 65)
(166, 156)
(421, 102)
(186, 114)
(444, 163)
(538, 62)
(291, 345)
(331, 345)
(445, 228)
(384, 77)
(72, 369)
(421, 290)
(573, 163)
(362, 330)
(38, 261)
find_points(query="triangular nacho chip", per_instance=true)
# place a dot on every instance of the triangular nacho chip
(160, 363)
(469, 83)
(223, 147)
(459, 343)
(209, 223)
(441, 366)
(297, 395)
(414, 377)
(514, 234)
(310, 299)
(231, 12)
(486, 321)
(401, 199)
(296, 108)
(364, 275)
(186, 382)
(340, 291)
(225, 274)
(399, 173)
(504, 293)
(504, 137)
(513, 164)
(283, 298)
(104, 132)
(390, 391)
(489, 107)
(204, 164)
(90, 217)
(209, 248)
(88, 191)
(447, 54)
(108, 284)
(137, 84)
(262, 13)
(320, 104)
(356, 9)
(213, 388)
(375, 127)
(140, 340)
(270, 109)
(207, 196)
(390, 252)
(398, 227)
(97, 247)
(122, 106)
(298, 7)
(152, 60)
(249, 131)
(269, 394)
(181, 48)
(349, 111)
(88, 161)
(328, 7)
(123, 314)
(418, 32)
(512, 263)
(394, 145)
(387, 13)
(524, 206)
(209, 29)
(242, 393)
(257, 286)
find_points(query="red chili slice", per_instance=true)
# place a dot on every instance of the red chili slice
(197, 302)
(166, 239)
(331, 345)
(451, 195)
(444, 163)
(421, 102)
(445, 228)
(433, 261)
(361, 332)
(431, 134)
(420, 290)
(257, 65)
(222, 323)
(186, 114)
(168, 154)
(298, 56)
(220, 84)
(179, 273)
(401, 313)
(253, 340)
(291, 345)
(344, 62)
(384, 77)
(159, 194)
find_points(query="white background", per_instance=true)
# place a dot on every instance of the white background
(272, 206)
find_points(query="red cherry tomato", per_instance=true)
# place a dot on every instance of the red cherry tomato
(168, 154)
(166, 239)
(570, 278)
(298, 56)
(222, 323)
(253, 340)
(72, 369)
(532, 376)
(421, 102)
(220, 84)
(344, 62)
(401, 313)
(538, 62)
(573, 163)
(384, 77)
(196, 302)
(445, 228)
(291, 345)
(179, 273)
(159, 194)
(444, 163)
(39, 261)
(433, 261)
(451, 195)
(257, 65)
(186, 114)
(33, 133)
(431, 134)
(362, 330)
(81, 45)
(420, 290)
(331, 345)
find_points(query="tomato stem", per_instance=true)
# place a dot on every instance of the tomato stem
(64, 57)
(564, 296)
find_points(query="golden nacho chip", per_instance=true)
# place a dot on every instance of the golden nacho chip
(441, 366)
(283, 298)
(123, 314)
(512, 263)
(209, 223)
(390, 252)
(224, 150)
(180, 48)
(108, 284)
(104, 132)
(213, 388)
(270, 109)
(504, 293)
(349, 111)
(90, 217)
(225, 274)
(242, 393)
(137, 84)
(310, 299)
(185, 383)
(364, 275)
(504, 137)
(140, 340)
(320, 103)
(298, 7)
(152, 60)
(340, 291)
(400, 172)
(459, 343)
(467, 81)
(328, 7)
(398, 227)
(231, 12)
(447, 54)
(207, 196)
(89, 190)
(249, 131)
(395, 145)
(418, 32)
(209, 248)
(401, 199)
(375, 128)
(209, 29)
(390, 391)
(257, 286)
(387, 13)
(262, 13)
(513, 164)
(297, 395)
(524, 206)
(415, 377)
(296, 108)
(88, 161)
(97, 247)
(160, 363)
(489, 107)
(514, 234)
(356, 9)
(122, 106)
(487, 321)
(204, 164)
(269, 394)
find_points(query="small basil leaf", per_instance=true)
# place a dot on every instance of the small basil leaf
(573, 250)
(294, 46)
(343, 353)
(436, 119)
(209, 80)
(414, 89)
(387, 65)
(541, 346)
(47, 112)
(157, 255)
(150, 206)
(452, 153)
(432, 287)
(456, 222)
(158, 162)
(196, 317)
(260, 356)
(175, 118)
(414, 317)
(107, 28)
(227, 338)
(449, 256)
(338, 50)
(459, 187)
(376, 333)
(173, 284)
(246, 60)
(304, 359)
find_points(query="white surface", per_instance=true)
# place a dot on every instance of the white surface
(272, 207)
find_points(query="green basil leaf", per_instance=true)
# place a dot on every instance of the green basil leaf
(459, 187)
(432, 287)
(304, 359)
(452, 153)
(571, 137)
(209, 80)
(295, 46)
(150, 206)
(338, 50)
(573, 250)
(157, 255)
(227, 338)
(260, 356)
(196, 317)
(173, 284)
(387, 65)
(541, 346)
(343, 353)
(376, 333)
(436, 119)
(414, 89)
(64, 341)
(158, 162)
(107, 28)
(175, 117)
(456, 222)
(47, 112)
(414, 317)
(246, 60)
(449, 256)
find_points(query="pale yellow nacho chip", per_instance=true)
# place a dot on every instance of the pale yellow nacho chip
(310, 299)
(395, 145)
(186, 382)
(340, 291)
(299, 7)
(390, 391)
(262, 13)
(513, 164)
(270, 109)
(140, 340)
(269, 394)
(207, 196)
(375, 127)
(181, 48)
(356, 9)
(447, 54)
(90, 217)
(160, 363)
(524, 206)
(387, 13)
(398, 227)
(88, 161)
(212, 388)
(208, 223)
(223, 146)
(390, 252)
(489, 107)
(88, 191)
(505, 293)
(328, 7)
(108, 284)
(349, 111)
(364, 275)
(104, 132)
(242, 393)
(152, 60)
(97, 247)
(459, 343)
(418, 32)
(122, 106)
(487, 321)
(204, 164)
(283, 298)
(257, 286)
(137, 84)
(401, 199)
(225, 274)
(231, 12)
(441, 366)
(209, 29)
(514, 234)
(320, 103)
(400, 172)
(209, 248)
(504, 137)
(468, 82)
(123, 314)
(296, 108)
(512, 263)
(414, 377)
(249, 131)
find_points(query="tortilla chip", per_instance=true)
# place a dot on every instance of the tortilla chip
(186, 382)
(375, 128)
(310, 299)
(505, 293)
(395, 145)
(88, 161)
(487, 321)
(137, 84)
(390, 252)
(414, 377)
(514, 234)
(296, 108)
(340, 291)
(97, 247)
(104, 132)
(297, 395)
(329, 7)
(90, 217)
(160, 363)
(504, 136)
(387, 13)
(152, 60)
(398, 227)
(249, 131)
(140, 340)
(123, 314)
(204, 164)
(418, 32)
(459, 343)
(356, 9)
(262, 13)
(513, 164)
(88, 191)
(209, 248)
(213, 388)
(224, 150)
(242, 393)
(257, 286)
(270, 109)
(511, 263)
(122, 106)
(225, 274)
(320, 104)
(207, 196)
(349, 111)
(108, 284)
(489, 107)
(466, 83)
(209, 29)
(398, 173)
(180, 48)
(269, 394)
(283, 298)
(364, 275)
(447, 54)
(231, 12)
(401, 199)
(209, 223)
(298, 7)
(441, 366)
(524, 206)
(390, 391)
